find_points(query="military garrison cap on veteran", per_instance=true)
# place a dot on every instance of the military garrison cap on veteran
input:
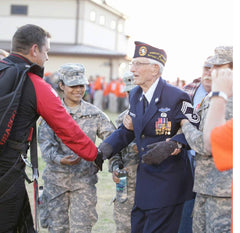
(128, 81)
(148, 51)
(72, 74)
(223, 55)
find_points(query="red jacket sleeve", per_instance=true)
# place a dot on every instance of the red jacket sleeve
(49, 106)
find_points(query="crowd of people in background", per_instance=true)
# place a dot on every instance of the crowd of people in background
(106, 95)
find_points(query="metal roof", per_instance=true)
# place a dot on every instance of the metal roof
(74, 50)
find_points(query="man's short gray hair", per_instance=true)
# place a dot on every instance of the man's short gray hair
(161, 67)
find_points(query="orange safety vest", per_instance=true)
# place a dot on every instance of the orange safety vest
(222, 148)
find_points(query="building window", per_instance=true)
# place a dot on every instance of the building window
(92, 16)
(19, 10)
(113, 24)
(102, 19)
(120, 27)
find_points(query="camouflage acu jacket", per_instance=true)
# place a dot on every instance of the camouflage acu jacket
(129, 155)
(94, 123)
(208, 180)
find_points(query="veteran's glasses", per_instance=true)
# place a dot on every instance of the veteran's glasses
(137, 63)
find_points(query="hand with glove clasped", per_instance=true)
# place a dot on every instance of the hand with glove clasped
(99, 160)
(159, 151)
(104, 152)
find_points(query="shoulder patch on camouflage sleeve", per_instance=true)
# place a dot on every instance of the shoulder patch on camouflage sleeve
(188, 110)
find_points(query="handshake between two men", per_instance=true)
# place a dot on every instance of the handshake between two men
(155, 155)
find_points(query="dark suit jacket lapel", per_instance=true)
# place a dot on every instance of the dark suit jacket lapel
(137, 108)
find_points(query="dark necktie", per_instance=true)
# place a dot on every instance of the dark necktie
(145, 104)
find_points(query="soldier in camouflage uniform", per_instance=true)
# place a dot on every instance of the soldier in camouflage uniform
(129, 159)
(212, 209)
(69, 181)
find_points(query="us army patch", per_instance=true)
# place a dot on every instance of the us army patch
(188, 110)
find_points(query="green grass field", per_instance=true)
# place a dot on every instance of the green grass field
(105, 193)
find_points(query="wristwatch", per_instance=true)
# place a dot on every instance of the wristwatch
(218, 93)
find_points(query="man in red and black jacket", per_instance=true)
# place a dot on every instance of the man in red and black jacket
(30, 44)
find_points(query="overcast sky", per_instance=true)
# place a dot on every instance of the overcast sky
(188, 30)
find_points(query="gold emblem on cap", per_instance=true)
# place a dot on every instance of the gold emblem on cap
(142, 51)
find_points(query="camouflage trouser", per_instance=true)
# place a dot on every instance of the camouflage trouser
(73, 212)
(212, 214)
(122, 211)
(122, 214)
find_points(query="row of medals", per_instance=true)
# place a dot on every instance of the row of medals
(162, 125)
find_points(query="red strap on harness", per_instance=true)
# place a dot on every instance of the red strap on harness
(30, 134)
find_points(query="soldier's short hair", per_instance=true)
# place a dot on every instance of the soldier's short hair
(28, 35)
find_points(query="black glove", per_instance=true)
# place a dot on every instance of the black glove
(106, 150)
(158, 152)
(99, 160)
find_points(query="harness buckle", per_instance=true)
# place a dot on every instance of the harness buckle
(26, 161)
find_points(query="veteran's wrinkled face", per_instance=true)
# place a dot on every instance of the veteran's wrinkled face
(144, 72)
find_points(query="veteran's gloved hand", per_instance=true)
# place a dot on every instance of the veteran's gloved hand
(99, 160)
(106, 150)
(159, 151)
